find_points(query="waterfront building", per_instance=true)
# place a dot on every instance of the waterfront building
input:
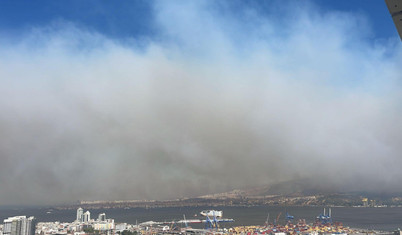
(102, 217)
(30, 225)
(86, 217)
(80, 213)
(19, 225)
(373, 203)
(365, 202)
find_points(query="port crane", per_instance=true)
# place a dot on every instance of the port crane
(267, 221)
(325, 218)
(277, 218)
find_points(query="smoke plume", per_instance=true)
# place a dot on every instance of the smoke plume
(214, 101)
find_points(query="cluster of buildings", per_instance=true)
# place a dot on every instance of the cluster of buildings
(18, 225)
(85, 219)
(21, 225)
(371, 203)
(82, 225)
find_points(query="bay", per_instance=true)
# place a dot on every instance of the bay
(384, 219)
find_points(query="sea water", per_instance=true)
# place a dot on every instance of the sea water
(385, 219)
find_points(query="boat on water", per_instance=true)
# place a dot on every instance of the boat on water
(212, 213)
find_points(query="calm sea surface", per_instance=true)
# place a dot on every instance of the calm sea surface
(386, 219)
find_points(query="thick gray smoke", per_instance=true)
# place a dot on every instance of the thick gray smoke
(215, 103)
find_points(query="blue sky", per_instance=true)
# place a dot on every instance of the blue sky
(376, 12)
(136, 18)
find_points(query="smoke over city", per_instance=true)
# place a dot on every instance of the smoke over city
(214, 102)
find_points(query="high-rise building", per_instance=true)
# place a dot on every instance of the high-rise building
(7, 226)
(86, 217)
(19, 225)
(31, 225)
(102, 217)
(80, 213)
